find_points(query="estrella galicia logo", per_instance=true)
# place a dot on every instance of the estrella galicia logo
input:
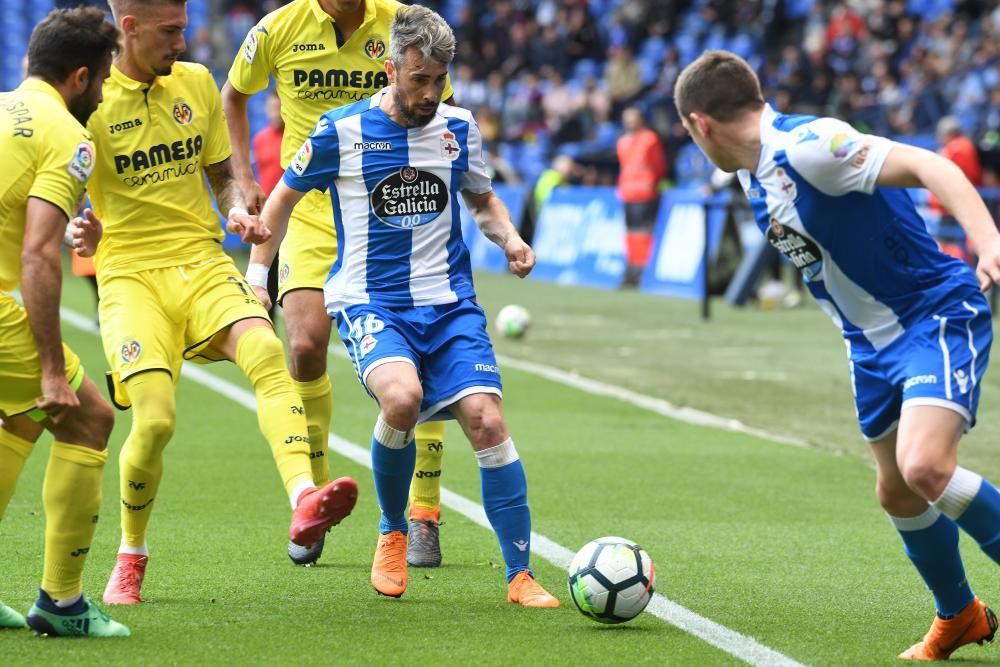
(800, 250)
(182, 112)
(375, 48)
(409, 198)
(131, 350)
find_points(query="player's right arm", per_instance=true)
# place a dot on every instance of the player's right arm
(234, 103)
(41, 284)
(249, 74)
(314, 167)
(911, 167)
(274, 217)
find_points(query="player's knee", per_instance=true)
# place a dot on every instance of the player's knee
(926, 475)
(892, 497)
(400, 404)
(486, 428)
(307, 355)
(103, 420)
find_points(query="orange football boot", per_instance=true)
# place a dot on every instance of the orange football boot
(318, 510)
(976, 623)
(126, 580)
(389, 576)
(524, 590)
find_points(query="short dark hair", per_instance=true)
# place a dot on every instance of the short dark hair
(68, 39)
(719, 84)
(124, 7)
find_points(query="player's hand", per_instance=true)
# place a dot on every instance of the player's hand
(254, 195)
(520, 256)
(58, 398)
(86, 233)
(249, 227)
(988, 270)
(262, 296)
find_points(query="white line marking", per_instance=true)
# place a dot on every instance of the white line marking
(651, 403)
(738, 645)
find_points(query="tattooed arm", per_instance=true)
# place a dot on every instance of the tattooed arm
(230, 197)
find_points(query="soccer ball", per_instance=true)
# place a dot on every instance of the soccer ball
(513, 321)
(611, 580)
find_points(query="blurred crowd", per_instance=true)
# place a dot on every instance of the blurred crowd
(552, 77)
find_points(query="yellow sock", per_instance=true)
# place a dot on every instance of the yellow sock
(14, 451)
(279, 410)
(72, 498)
(141, 460)
(317, 398)
(425, 489)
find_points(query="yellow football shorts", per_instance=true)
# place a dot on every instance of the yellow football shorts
(310, 245)
(157, 318)
(20, 370)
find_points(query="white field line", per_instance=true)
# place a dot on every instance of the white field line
(740, 646)
(651, 403)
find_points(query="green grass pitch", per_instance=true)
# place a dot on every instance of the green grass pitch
(776, 542)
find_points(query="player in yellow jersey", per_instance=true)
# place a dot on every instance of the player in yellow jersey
(47, 159)
(168, 291)
(322, 54)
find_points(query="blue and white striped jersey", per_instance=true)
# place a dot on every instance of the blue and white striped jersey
(863, 250)
(395, 203)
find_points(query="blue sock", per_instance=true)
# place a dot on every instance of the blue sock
(505, 499)
(974, 504)
(394, 454)
(931, 542)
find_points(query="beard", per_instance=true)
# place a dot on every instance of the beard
(83, 106)
(412, 119)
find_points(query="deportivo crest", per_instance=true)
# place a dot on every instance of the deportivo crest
(183, 114)
(302, 159)
(82, 162)
(283, 273)
(449, 147)
(250, 46)
(368, 344)
(131, 350)
(375, 48)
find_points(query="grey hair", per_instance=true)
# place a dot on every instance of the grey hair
(423, 29)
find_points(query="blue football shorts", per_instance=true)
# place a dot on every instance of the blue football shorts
(447, 344)
(939, 361)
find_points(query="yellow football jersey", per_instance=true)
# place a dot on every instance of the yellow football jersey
(46, 154)
(148, 186)
(297, 44)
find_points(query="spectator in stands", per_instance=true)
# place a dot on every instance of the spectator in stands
(622, 78)
(562, 172)
(642, 165)
(958, 148)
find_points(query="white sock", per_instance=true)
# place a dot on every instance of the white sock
(390, 437)
(923, 520)
(135, 551)
(497, 456)
(298, 490)
(68, 602)
(962, 488)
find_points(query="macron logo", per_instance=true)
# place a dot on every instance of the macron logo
(372, 146)
(522, 545)
(920, 379)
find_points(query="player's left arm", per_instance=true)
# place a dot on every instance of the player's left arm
(911, 167)
(493, 219)
(230, 197)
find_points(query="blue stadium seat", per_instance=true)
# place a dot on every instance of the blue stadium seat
(654, 48)
(742, 45)
(691, 166)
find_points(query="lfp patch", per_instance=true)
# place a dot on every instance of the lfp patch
(250, 46)
(131, 351)
(82, 162)
(302, 159)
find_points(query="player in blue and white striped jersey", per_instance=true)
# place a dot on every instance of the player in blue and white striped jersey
(401, 287)
(917, 328)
